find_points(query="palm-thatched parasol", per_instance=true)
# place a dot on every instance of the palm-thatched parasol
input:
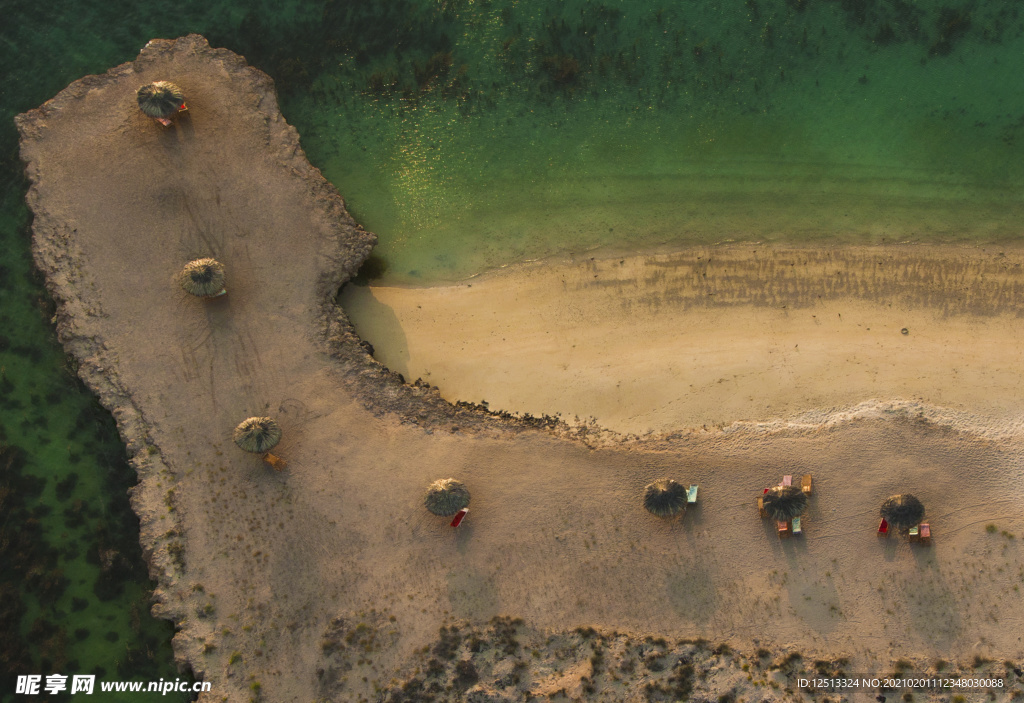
(902, 511)
(160, 99)
(665, 498)
(257, 434)
(784, 502)
(446, 496)
(203, 278)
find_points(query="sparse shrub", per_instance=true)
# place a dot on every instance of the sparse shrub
(789, 660)
(449, 642)
(465, 674)
(434, 668)
(654, 662)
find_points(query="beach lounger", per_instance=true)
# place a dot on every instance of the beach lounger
(276, 462)
(926, 533)
(457, 520)
(797, 526)
(914, 533)
(760, 506)
(784, 529)
(883, 528)
(805, 484)
(787, 480)
(691, 494)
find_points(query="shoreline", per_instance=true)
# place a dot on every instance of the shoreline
(266, 574)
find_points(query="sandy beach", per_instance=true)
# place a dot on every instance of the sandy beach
(706, 337)
(330, 581)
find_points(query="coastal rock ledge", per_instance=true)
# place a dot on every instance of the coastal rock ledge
(328, 581)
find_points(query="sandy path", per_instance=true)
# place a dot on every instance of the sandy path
(254, 565)
(703, 338)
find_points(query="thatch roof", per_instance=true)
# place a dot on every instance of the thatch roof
(665, 498)
(257, 434)
(203, 278)
(784, 502)
(160, 99)
(902, 511)
(446, 496)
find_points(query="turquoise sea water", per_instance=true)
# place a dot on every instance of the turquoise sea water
(472, 134)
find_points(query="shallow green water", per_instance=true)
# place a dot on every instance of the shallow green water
(469, 135)
(632, 124)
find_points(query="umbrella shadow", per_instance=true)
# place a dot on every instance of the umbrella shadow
(218, 311)
(924, 555)
(691, 593)
(890, 546)
(815, 599)
(180, 133)
(471, 594)
(694, 516)
(932, 607)
(184, 128)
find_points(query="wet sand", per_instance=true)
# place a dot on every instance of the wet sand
(265, 572)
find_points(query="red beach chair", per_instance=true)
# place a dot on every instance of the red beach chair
(926, 533)
(883, 528)
(457, 520)
(783, 528)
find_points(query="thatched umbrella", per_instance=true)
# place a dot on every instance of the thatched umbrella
(665, 498)
(446, 496)
(784, 502)
(257, 434)
(902, 511)
(160, 100)
(203, 278)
